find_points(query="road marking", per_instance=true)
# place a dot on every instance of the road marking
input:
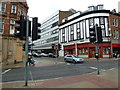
(93, 68)
(111, 68)
(6, 71)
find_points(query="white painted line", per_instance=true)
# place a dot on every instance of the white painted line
(93, 68)
(6, 71)
(103, 70)
(111, 68)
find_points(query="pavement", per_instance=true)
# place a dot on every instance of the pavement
(106, 79)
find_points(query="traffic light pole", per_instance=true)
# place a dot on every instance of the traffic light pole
(97, 51)
(26, 49)
(97, 58)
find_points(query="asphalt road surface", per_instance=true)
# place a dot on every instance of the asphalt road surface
(57, 71)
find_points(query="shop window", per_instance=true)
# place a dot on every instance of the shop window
(83, 51)
(106, 50)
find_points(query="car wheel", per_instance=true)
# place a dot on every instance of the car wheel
(74, 61)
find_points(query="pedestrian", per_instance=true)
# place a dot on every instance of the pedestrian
(30, 60)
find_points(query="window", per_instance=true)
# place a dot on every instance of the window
(116, 34)
(72, 32)
(81, 28)
(12, 21)
(106, 50)
(78, 30)
(91, 8)
(2, 7)
(12, 29)
(54, 24)
(102, 25)
(63, 35)
(1, 20)
(19, 11)
(83, 51)
(13, 9)
(91, 22)
(1, 27)
(100, 7)
(102, 20)
(87, 28)
(115, 22)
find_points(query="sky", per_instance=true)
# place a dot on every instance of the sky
(44, 8)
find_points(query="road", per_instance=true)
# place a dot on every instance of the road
(57, 71)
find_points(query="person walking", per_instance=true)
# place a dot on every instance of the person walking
(30, 60)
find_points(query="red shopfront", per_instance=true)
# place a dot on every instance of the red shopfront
(69, 49)
(87, 50)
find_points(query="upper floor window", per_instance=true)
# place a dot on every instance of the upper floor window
(13, 9)
(1, 27)
(78, 30)
(115, 22)
(100, 7)
(19, 11)
(1, 20)
(116, 34)
(72, 32)
(12, 21)
(3, 7)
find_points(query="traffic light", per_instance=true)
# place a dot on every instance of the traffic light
(52, 46)
(20, 28)
(29, 29)
(99, 35)
(92, 34)
(59, 47)
(35, 31)
(23, 47)
(29, 47)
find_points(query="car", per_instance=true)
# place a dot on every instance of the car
(44, 55)
(73, 58)
(36, 54)
(51, 55)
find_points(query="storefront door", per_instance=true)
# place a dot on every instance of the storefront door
(92, 52)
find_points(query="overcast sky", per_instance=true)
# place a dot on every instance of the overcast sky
(44, 8)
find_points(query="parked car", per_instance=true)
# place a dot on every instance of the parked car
(73, 58)
(51, 55)
(36, 55)
(44, 55)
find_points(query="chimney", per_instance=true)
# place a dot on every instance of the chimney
(114, 10)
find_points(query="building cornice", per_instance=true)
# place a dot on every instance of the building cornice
(90, 12)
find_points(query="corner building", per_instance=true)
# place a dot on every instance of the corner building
(10, 46)
(74, 33)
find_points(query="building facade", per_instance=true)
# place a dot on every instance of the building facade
(49, 32)
(11, 47)
(74, 33)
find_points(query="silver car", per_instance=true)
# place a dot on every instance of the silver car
(73, 58)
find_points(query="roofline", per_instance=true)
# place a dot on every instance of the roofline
(90, 12)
